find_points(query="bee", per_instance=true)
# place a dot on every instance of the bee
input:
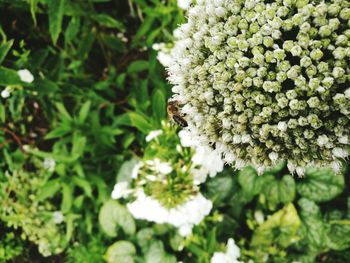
(174, 112)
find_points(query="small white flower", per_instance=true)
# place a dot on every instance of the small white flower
(273, 156)
(164, 58)
(121, 190)
(57, 217)
(259, 216)
(153, 134)
(5, 93)
(25, 75)
(49, 164)
(184, 4)
(282, 126)
(231, 256)
(186, 138)
(183, 216)
(322, 140)
(340, 152)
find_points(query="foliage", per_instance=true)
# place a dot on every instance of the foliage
(79, 127)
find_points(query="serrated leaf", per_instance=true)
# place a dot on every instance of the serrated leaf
(112, 216)
(320, 185)
(55, 12)
(120, 252)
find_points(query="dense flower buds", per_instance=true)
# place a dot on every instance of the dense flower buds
(265, 81)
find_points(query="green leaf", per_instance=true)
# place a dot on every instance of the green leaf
(287, 189)
(113, 215)
(83, 184)
(219, 187)
(64, 115)
(313, 227)
(138, 66)
(49, 189)
(84, 111)
(280, 228)
(144, 238)
(67, 198)
(120, 252)
(33, 5)
(8, 77)
(249, 181)
(55, 12)
(124, 173)
(72, 29)
(4, 49)
(79, 143)
(108, 21)
(157, 254)
(159, 105)
(270, 188)
(320, 185)
(2, 113)
(338, 234)
(140, 122)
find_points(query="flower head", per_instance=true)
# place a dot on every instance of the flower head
(264, 82)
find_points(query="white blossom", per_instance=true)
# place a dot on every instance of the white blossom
(183, 216)
(184, 4)
(5, 93)
(57, 217)
(230, 256)
(49, 164)
(121, 190)
(153, 134)
(25, 75)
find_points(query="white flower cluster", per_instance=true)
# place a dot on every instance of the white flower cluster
(165, 190)
(231, 256)
(265, 81)
(205, 160)
(183, 216)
